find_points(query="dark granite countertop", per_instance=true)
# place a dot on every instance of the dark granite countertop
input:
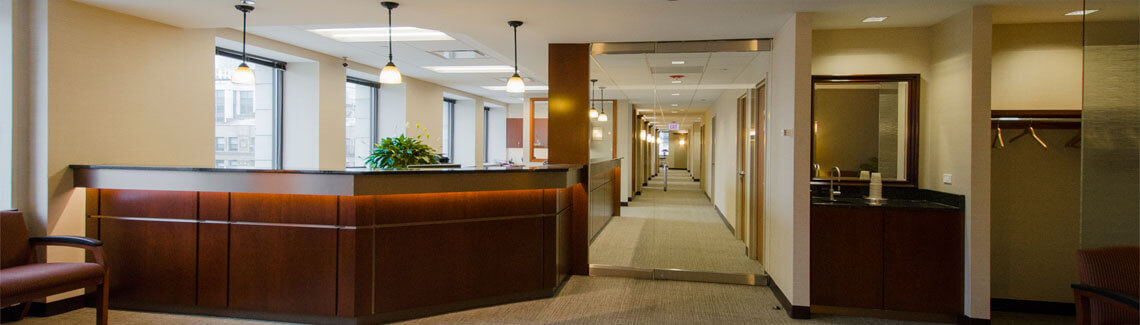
(347, 171)
(885, 204)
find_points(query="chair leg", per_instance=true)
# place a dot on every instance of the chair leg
(102, 302)
(24, 307)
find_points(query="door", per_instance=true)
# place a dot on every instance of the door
(756, 196)
(712, 159)
(742, 167)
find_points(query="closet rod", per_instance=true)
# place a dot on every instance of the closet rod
(1037, 119)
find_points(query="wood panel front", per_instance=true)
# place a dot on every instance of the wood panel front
(283, 269)
(284, 208)
(148, 204)
(846, 257)
(213, 264)
(435, 207)
(150, 262)
(428, 265)
(922, 260)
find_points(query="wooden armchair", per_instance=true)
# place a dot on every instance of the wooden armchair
(23, 280)
(1110, 279)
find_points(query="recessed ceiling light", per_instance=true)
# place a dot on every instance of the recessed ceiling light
(676, 81)
(472, 69)
(1081, 12)
(678, 62)
(874, 19)
(676, 94)
(380, 34)
(675, 111)
(459, 54)
(674, 105)
(528, 88)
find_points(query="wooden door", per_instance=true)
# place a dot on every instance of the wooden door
(756, 195)
(742, 168)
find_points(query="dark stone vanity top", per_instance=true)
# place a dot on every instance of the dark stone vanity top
(886, 204)
(896, 198)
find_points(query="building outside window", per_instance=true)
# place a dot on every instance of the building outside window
(247, 118)
(361, 118)
(447, 144)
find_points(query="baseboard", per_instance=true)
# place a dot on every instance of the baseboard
(722, 218)
(966, 320)
(625, 204)
(795, 312)
(44, 309)
(637, 193)
(696, 179)
(1033, 307)
(677, 169)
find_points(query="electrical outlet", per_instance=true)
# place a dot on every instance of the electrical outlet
(947, 179)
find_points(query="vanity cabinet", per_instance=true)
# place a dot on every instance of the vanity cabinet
(887, 258)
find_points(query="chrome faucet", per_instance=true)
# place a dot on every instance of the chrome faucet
(832, 189)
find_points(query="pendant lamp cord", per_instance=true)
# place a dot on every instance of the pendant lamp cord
(243, 19)
(389, 35)
(516, 49)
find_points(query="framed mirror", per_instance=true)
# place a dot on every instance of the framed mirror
(862, 125)
(539, 129)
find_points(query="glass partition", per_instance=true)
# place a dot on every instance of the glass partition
(539, 129)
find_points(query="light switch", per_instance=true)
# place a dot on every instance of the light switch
(787, 132)
(947, 179)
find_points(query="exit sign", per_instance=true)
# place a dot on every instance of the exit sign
(674, 126)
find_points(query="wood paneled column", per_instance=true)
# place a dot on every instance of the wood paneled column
(569, 143)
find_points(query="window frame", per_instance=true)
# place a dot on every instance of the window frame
(486, 133)
(450, 129)
(278, 100)
(374, 118)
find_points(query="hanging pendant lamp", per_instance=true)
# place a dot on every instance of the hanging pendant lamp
(593, 110)
(602, 117)
(389, 74)
(515, 84)
(243, 74)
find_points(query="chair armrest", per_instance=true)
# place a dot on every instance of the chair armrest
(95, 246)
(1119, 297)
(74, 240)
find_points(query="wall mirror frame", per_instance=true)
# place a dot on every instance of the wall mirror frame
(909, 177)
(543, 132)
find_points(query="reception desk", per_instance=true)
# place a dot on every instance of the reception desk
(352, 246)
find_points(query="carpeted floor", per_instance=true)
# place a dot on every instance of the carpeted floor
(593, 300)
(674, 229)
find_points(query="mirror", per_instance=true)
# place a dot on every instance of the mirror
(539, 126)
(865, 125)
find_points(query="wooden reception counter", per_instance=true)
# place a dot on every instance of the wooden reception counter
(353, 246)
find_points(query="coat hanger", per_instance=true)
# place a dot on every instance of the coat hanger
(1035, 137)
(998, 142)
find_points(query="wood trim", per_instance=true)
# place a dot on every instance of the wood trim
(913, 101)
(530, 132)
(795, 312)
(1033, 307)
(756, 197)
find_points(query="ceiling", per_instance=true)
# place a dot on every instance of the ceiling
(647, 80)
(481, 25)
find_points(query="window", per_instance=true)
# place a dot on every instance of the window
(219, 105)
(247, 126)
(361, 118)
(219, 163)
(486, 132)
(245, 102)
(447, 143)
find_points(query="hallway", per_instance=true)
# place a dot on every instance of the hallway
(674, 229)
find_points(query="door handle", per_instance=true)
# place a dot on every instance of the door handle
(741, 173)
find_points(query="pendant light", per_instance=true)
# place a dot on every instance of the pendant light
(515, 84)
(389, 74)
(593, 110)
(602, 117)
(243, 74)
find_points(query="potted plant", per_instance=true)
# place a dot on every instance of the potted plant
(401, 151)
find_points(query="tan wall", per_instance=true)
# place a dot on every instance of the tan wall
(1035, 192)
(1037, 66)
(113, 99)
(1036, 217)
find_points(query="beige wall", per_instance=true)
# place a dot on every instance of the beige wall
(1037, 66)
(788, 159)
(953, 61)
(1036, 217)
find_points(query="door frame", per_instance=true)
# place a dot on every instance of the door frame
(712, 160)
(741, 172)
(759, 109)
